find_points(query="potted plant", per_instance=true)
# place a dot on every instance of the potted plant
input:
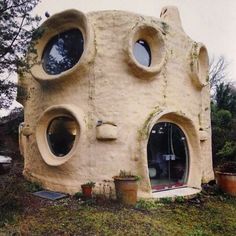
(87, 189)
(126, 185)
(226, 177)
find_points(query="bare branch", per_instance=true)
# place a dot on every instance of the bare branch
(218, 71)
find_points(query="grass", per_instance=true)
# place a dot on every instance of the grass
(206, 215)
(210, 213)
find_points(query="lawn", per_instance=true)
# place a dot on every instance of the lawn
(210, 213)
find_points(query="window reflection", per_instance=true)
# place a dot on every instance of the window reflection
(167, 156)
(61, 135)
(142, 52)
(63, 51)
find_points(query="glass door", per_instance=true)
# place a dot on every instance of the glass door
(168, 157)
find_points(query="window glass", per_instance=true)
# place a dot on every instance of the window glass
(142, 52)
(167, 156)
(61, 135)
(63, 51)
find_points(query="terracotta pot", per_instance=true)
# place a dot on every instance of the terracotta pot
(126, 190)
(226, 182)
(87, 191)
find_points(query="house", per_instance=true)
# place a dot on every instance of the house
(114, 90)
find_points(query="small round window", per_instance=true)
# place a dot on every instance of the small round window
(142, 52)
(61, 134)
(63, 51)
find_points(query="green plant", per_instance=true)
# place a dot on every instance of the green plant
(228, 151)
(89, 184)
(127, 174)
(197, 232)
(147, 204)
(33, 186)
(166, 200)
(228, 167)
(179, 199)
(78, 195)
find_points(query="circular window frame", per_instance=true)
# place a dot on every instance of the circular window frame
(41, 132)
(153, 37)
(74, 34)
(199, 65)
(59, 23)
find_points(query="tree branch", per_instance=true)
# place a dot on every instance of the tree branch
(14, 39)
(12, 6)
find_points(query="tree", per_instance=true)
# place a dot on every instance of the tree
(16, 30)
(217, 71)
(225, 97)
(223, 113)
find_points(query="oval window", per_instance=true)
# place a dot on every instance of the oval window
(142, 52)
(61, 134)
(63, 51)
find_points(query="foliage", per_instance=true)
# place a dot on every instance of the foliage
(73, 218)
(223, 135)
(8, 183)
(78, 195)
(127, 174)
(180, 199)
(166, 200)
(16, 29)
(228, 167)
(144, 204)
(228, 151)
(223, 113)
(222, 118)
(225, 97)
(7, 93)
(89, 184)
(33, 186)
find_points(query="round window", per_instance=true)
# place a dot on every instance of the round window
(61, 134)
(142, 52)
(63, 51)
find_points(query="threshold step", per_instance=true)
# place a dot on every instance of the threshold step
(186, 192)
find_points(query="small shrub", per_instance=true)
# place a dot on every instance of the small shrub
(180, 199)
(89, 184)
(228, 167)
(147, 204)
(33, 187)
(166, 200)
(10, 187)
(78, 195)
(197, 232)
(228, 152)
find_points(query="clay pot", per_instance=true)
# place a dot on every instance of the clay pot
(226, 182)
(126, 190)
(87, 191)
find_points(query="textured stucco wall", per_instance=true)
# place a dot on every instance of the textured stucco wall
(107, 84)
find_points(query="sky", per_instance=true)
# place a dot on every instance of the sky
(212, 22)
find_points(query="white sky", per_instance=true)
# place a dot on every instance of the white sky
(212, 22)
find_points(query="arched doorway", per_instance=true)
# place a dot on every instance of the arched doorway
(168, 156)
